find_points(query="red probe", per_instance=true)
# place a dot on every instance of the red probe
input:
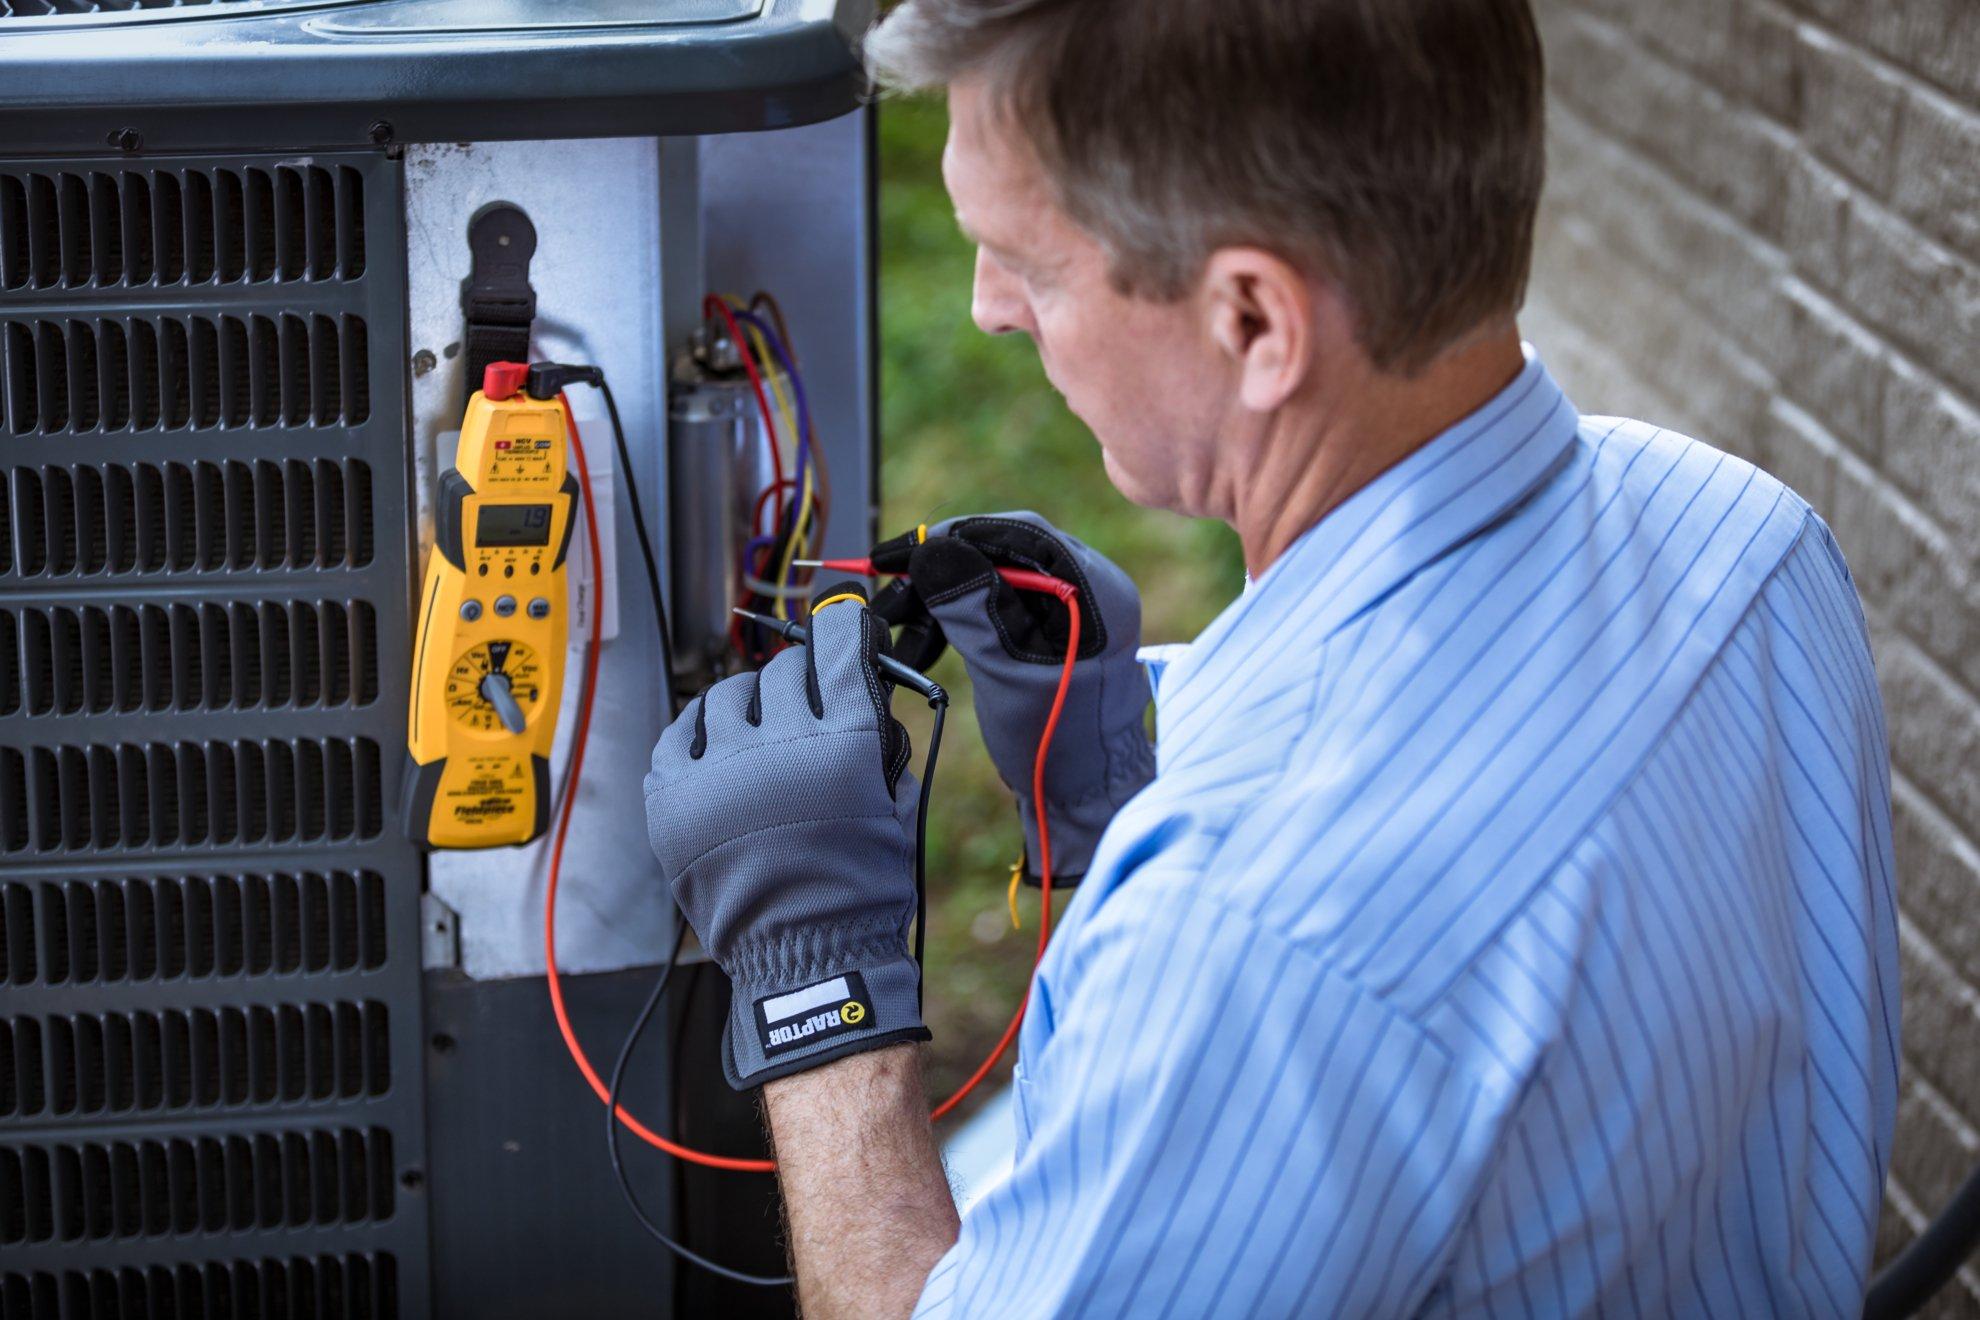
(1024, 580)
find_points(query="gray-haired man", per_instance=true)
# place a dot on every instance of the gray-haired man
(1508, 924)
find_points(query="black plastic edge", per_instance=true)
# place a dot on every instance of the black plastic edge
(416, 798)
(570, 488)
(449, 531)
(540, 767)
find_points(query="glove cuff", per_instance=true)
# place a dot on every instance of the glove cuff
(784, 1027)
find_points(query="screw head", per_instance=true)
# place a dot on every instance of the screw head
(125, 139)
(380, 131)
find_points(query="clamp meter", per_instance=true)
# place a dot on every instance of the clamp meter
(493, 624)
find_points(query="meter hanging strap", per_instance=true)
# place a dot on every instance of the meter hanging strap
(496, 297)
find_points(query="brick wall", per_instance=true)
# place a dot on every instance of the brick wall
(1763, 229)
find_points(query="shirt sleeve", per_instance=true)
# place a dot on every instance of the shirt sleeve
(1156, 659)
(1220, 1123)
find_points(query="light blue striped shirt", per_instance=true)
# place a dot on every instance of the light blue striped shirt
(1509, 929)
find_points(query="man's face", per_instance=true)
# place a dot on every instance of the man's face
(1143, 375)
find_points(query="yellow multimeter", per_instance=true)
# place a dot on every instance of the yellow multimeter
(493, 624)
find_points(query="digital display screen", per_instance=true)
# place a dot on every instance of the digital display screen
(513, 524)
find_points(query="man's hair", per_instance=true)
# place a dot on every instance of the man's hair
(1394, 147)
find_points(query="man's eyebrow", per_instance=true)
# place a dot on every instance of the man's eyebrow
(997, 250)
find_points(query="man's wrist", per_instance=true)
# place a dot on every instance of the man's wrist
(867, 1203)
(884, 1083)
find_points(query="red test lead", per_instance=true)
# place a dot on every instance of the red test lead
(1023, 579)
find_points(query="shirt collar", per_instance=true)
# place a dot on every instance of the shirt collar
(1442, 494)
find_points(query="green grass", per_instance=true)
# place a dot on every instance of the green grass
(969, 425)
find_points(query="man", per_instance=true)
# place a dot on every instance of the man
(1508, 923)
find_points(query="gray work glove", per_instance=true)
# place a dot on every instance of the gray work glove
(1014, 643)
(782, 813)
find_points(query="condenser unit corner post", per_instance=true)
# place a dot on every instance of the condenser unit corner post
(259, 1053)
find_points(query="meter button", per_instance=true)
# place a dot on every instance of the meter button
(505, 605)
(539, 608)
(470, 610)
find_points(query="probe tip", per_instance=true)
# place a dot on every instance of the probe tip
(788, 629)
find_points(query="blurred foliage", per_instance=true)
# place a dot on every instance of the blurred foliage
(970, 425)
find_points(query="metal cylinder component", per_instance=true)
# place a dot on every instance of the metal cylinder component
(713, 437)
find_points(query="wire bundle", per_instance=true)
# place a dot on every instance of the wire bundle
(788, 517)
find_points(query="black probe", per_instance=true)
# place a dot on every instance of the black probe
(796, 634)
(938, 700)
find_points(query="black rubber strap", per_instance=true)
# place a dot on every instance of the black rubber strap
(496, 298)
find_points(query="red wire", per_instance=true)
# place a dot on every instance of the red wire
(716, 305)
(1018, 577)
(578, 738)
(1064, 591)
(763, 498)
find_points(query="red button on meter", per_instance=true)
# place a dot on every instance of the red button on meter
(502, 379)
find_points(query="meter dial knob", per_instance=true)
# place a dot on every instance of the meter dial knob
(495, 689)
(501, 706)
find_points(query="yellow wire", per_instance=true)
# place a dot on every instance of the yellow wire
(1017, 874)
(787, 416)
(800, 541)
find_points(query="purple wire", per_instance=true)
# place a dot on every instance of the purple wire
(751, 546)
(763, 328)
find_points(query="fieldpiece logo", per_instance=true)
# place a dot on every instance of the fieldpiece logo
(817, 1012)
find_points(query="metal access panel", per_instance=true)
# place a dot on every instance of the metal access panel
(211, 1083)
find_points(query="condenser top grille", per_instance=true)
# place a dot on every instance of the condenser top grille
(160, 226)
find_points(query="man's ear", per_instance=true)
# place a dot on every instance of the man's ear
(1262, 315)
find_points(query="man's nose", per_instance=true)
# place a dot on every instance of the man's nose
(997, 304)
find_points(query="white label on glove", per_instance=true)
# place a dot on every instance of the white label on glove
(817, 1012)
